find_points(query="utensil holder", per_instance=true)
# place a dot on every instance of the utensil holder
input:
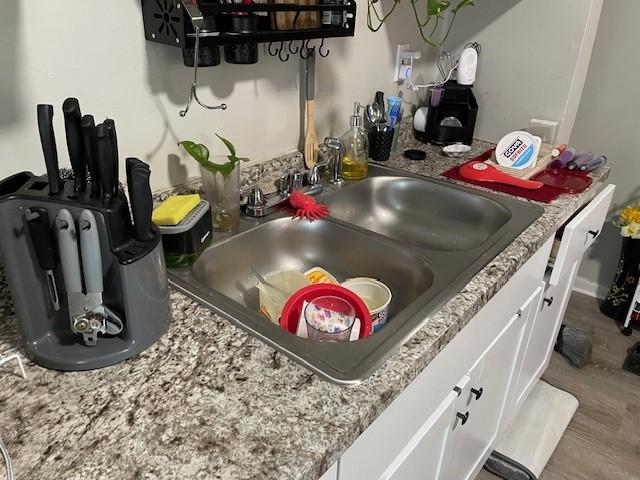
(134, 277)
(242, 53)
(380, 143)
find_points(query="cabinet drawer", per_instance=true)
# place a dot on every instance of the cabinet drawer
(581, 232)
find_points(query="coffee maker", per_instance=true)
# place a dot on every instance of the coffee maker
(453, 118)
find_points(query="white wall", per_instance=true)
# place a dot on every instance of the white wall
(95, 50)
(607, 123)
(533, 62)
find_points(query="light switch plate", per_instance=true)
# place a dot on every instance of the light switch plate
(403, 47)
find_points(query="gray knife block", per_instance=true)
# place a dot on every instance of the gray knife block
(135, 280)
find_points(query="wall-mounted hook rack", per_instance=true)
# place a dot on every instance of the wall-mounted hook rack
(200, 27)
(173, 22)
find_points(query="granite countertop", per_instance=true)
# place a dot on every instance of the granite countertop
(208, 401)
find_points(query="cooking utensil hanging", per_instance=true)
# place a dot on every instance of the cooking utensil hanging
(193, 92)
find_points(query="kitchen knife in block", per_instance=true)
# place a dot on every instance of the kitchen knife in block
(48, 141)
(72, 118)
(90, 147)
(42, 240)
(138, 174)
(105, 163)
(111, 128)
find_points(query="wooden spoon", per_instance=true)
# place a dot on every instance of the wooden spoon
(311, 138)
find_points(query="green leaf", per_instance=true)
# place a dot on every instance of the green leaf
(436, 7)
(461, 5)
(229, 145)
(199, 152)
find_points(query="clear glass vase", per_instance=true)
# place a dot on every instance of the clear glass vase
(223, 194)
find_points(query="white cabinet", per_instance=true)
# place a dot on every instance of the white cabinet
(392, 446)
(422, 457)
(480, 407)
(578, 235)
(433, 432)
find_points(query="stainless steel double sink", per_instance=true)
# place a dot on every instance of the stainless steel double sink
(422, 237)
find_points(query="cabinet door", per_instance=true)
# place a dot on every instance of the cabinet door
(532, 352)
(580, 233)
(422, 457)
(480, 408)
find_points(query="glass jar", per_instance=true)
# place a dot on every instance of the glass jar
(223, 194)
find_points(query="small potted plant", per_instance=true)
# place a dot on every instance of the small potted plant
(221, 178)
(617, 303)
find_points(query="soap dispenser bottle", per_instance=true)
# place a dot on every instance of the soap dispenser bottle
(355, 161)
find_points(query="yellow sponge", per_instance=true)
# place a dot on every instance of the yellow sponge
(173, 210)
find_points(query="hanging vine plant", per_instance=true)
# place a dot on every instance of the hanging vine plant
(429, 15)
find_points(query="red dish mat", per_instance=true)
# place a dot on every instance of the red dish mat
(545, 194)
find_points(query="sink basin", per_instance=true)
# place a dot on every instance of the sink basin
(422, 237)
(284, 244)
(420, 214)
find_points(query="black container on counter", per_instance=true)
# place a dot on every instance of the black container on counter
(380, 142)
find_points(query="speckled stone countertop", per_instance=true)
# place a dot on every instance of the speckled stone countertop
(209, 401)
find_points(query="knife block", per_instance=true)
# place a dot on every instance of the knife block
(135, 279)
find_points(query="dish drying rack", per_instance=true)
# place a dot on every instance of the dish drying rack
(544, 159)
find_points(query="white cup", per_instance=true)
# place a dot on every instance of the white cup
(376, 296)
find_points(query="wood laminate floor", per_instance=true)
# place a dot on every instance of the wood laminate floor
(602, 441)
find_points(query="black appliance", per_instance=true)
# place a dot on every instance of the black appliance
(453, 120)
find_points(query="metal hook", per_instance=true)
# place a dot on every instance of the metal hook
(282, 49)
(293, 52)
(320, 49)
(193, 93)
(273, 54)
(305, 48)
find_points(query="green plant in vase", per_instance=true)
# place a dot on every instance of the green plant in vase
(221, 179)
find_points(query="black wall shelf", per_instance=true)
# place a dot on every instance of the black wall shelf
(172, 22)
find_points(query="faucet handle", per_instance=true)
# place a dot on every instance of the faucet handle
(256, 197)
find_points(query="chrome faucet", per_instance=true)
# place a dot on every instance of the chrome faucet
(335, 150)
(259, 204)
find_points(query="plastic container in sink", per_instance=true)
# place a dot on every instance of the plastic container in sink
(291, 313)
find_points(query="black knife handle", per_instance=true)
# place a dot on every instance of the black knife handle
(41, 236)
(140, 197)
(105, 160)
(48, 141)
(72, 118)
(111, 127)
(90, 146)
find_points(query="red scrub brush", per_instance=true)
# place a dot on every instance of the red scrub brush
(307, 207)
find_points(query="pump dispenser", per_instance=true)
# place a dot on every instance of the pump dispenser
(355, 161)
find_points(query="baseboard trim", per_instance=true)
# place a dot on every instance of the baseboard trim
(590, 288)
